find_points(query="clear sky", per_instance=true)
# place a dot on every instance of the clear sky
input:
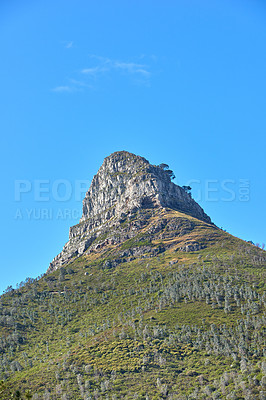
(178, 82)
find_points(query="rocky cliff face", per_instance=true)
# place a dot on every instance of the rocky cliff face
(124, 184)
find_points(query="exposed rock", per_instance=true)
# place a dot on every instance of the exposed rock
(127, 182)
(124, 185)
(108, 264)
(193, 246)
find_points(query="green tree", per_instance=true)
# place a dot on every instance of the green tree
(163, 166)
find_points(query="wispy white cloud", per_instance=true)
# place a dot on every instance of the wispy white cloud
(94, 70)
(73, 86)
(105, 60)
(107, 65)
(132, 68)
(136, 72)
(69, 45)
(80, 84)
(62, 89)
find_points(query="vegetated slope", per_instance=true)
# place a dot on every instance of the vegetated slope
(173, 312)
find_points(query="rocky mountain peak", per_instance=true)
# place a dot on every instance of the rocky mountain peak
(124, 184)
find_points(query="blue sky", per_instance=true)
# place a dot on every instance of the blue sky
(179, 82)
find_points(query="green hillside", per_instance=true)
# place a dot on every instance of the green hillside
(174, 312)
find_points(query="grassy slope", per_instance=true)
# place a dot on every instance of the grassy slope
(173, 325)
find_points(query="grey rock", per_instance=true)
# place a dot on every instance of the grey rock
(193, 246)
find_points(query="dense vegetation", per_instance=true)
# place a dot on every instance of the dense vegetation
(149, 318)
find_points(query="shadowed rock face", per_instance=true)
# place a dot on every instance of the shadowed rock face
(124, 183)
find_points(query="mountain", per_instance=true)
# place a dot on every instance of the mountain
(147, 300)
